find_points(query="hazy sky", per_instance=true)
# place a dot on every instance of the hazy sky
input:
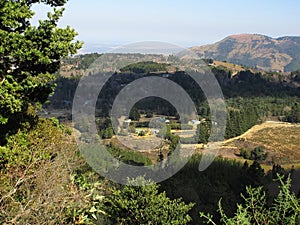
(107, 23)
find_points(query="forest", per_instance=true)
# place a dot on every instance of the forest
(247, 104)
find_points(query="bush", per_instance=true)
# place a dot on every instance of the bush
(245, 153)
(149, 115)
(285, 208)
(142, 133)
(175, 126)
(35, 167)
(142, 205)
(108, 133)
(258, 153)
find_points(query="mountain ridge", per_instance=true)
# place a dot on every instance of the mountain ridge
(255, 50)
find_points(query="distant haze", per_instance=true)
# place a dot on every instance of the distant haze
(106, 24)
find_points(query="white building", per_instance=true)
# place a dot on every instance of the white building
(196, 122)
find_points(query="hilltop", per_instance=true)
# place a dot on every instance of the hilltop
(255, 50)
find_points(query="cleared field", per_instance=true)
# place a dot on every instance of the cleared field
(233, 67)
(282, 141)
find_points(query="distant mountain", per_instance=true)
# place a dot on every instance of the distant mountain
(254, 50)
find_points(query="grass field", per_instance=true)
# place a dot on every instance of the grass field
(282, 141)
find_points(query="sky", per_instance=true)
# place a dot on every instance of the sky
(105, 24)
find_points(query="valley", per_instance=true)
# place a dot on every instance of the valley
(149, 112)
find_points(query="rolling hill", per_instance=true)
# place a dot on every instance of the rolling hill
(255, 50)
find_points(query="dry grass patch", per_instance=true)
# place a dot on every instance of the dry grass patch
(282, 141)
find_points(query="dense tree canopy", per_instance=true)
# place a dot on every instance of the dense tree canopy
(29, 56)
(294, 116)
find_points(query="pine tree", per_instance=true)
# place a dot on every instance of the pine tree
(29, 57)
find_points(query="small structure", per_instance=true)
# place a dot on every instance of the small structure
(154, 131)
(214, 123)
(196, 122)
(163, 120)
(128, 121)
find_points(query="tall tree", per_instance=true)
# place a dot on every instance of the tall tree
(203, 133)
(29, 57)
(294, 116)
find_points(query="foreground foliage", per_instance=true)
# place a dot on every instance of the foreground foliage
(285, 208)
(142, 205)
(45, 181)
(39, 182)
(29, 57)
